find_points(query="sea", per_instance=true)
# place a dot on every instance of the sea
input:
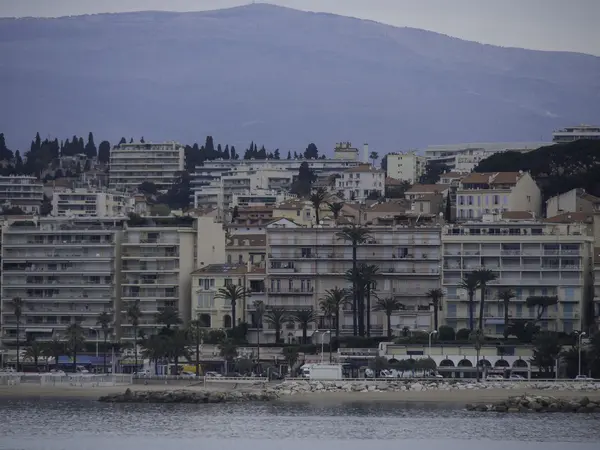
(46, 424)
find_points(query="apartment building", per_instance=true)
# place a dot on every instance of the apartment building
(66, 271)
(361, 181)
(492, 193)
(132, 164)
(575, 200)
(84, 202)
(529, 257)
(595, 319)
(217, 312)
(23, 192)
(303, 263)
(406, 166)
(260, 197)
(570, 134)
(244, 248)
(157, 260)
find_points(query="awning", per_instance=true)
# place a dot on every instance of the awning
(39, 330)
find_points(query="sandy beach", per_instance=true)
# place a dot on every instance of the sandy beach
(461, 397)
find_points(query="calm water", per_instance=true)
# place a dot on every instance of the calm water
(83, 425)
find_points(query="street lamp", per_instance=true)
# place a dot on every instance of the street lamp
(581, 335)
(323, 333)
(97, 339)
(431, 334)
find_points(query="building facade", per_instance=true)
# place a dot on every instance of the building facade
(66, 271)
(24, 192)
(132, 164)
(529, 258)
(358, 183)
(83, 202)
(406, 166)
(570, 134)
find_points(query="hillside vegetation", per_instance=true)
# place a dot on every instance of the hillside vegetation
(556, 168)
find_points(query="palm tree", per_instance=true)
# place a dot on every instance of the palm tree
(17, 304)
(328, 310)
(178, 343)
(276, 317)
(134, 313)
(436, 296)
(483, 276)
(506, 295)
(154, 348)
(388, 305)
(104, 320)
(229, 351)
(470, 284)
(75, 339)
(169, 316)
(357, 235)
(335, 209)
(33, 352)
(304, 317)
(477, 338)
(374, 156)
(259, 312)
(367, 276)
(232, 294)
(54, 348)
(197, 334)
(318, 198)
(333, 300)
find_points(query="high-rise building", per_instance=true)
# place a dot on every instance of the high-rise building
(570, 134)
(23, 191)
(406, 166)
(132, 164)
(85, 202)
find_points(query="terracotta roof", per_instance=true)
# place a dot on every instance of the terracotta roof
(507, 177)
(429, 197)
(427, 188)
(518, 215)
(364, 168)
(388, 207)
(255, 240)
(389, 181)
(571, 217)
(291, 204)
(476, 178)
(492, 178)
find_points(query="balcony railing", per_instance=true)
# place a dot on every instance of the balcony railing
(291, 291)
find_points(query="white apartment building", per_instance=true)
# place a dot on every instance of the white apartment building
(84, 202)
(359, 182)
(303, 263)
(406, 166)
(570, 134)
(260, 197)
(573, 201)
(132, 164)
(157, 260)
(528, 257)
(22, 191)
(596, 302)
(492, 193)
(66, 271)
(465, 157)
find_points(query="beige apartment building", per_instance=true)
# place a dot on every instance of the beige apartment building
(573, 201)
(493, 193)
(66, 271)
(303, 263)
(158, 257)
(406, 166)
(529, 257)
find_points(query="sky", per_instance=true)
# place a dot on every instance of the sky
(569, 25)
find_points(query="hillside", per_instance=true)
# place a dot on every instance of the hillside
(280, 77)
(556, 168)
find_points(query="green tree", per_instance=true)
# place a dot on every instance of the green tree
(90, 147)
(448, 210)
(388, 305)
(483, 277)
(155, 348)
(318, 198)
(196, 332)
(332, 302)
(259, 312)
(356, 235)
(541, 303)
(366, 276)
(477, 338)
(470, 283)
(33, 352)
(506, 295)
(228, 350)
(290, 354)
(276, 317)
(75, 342)
(335, 208)
(17, 305)
(304, 317)
(546, 348)
(104, 152)
(311, 152)
(54, 349)
(446, 333)
(177, 345)
(233, 294)
(374, 156)
(302, 185)
(436, 296)
(105, 321)
(148, 187)
(134, 313)
(169, 317)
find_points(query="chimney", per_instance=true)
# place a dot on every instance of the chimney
(366, 153)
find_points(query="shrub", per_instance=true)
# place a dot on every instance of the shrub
(463, 334)
(446, 333)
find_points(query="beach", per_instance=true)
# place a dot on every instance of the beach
(461, 397)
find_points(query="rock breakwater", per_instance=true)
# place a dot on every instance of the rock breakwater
(538, 404)
(190, 396)
(300, 387)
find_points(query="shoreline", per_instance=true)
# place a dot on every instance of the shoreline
(458, 397)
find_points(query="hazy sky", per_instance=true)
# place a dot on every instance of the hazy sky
(570, 25)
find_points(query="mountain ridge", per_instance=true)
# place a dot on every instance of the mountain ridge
(283, 77)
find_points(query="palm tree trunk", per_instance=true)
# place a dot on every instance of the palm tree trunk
(481, 306)
(18, 343)
(317, 214)
(258, 345)
(435, 315)
(277, 333)
(233, 313)
(368, 310)
(505, 320)
(304, 333)
(354, 292)
(471, 304)
(75, 358)
(105, 345)
(337, 325)
(361, 312)
(197, 353)
(135, 348)
(389, 325)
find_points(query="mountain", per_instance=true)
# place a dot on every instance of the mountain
(280, 77)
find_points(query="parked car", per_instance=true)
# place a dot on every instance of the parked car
(143, 373)
(516, 377)
(213, 375)
(494, 377)
(583, 378)
(187, 374)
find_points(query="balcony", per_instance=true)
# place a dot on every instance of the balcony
(299, 291)
(282, 270)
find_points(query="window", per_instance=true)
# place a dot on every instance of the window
(569, 294)
(451, 310)
(568, 310)
(496, 199)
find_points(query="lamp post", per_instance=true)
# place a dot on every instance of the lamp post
(97, 339)
(323, 333)
(581, 335)
(431, 334)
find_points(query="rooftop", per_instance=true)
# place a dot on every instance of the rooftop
(364, 168)
(427, 189)
(492, 178)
